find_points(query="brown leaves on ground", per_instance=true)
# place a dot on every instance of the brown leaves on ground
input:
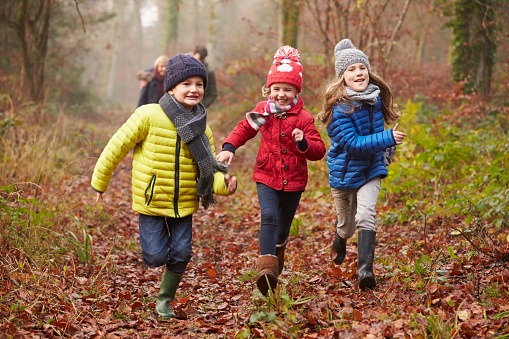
(114, 297)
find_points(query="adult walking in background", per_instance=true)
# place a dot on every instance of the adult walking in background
(200, 53)
(154, 82)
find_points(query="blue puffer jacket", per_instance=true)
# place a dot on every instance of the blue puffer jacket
(357, 143)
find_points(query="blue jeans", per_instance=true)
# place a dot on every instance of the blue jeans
(278, 209)
(166, 241)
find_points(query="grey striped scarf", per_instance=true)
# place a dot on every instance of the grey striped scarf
(191, 129)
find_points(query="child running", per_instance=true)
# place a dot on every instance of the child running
(289, 139)
(174, 167)
(355, 106)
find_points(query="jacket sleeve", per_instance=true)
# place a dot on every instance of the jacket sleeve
(143, 99)
(219, 186)
(343, 132)
(316, 148)
(243, 131)
(133, 131)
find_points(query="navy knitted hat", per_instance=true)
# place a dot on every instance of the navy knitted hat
(181, 67)
(346, 54)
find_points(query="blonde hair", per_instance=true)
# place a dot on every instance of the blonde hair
(265, 91)
(161, 59)
(334, 94)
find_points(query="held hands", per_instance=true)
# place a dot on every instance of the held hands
(297, 135)
(231, 182)
(398, 135)
(224, 156)
(99, 197)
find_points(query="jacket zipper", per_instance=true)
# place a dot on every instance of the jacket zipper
(371, 131)
(346, 166)
(150, 186)
(177, 174)
(371, 123)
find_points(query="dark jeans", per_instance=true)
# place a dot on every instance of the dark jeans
(166, 241)
(278, 209)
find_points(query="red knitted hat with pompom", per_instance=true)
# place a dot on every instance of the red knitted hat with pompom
(286, 68)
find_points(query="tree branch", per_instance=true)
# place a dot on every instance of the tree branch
(397, 28)
(81, 17)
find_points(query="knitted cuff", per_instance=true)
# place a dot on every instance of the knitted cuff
(228, 147)
(302, 145)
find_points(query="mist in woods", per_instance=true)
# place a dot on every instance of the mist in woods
(95, 48)
(70, 262)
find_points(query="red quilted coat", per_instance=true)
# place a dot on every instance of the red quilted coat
(279, 163)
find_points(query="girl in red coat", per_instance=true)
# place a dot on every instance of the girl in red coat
(289, 139)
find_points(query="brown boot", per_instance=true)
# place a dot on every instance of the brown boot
(267, 273)
(280, 254)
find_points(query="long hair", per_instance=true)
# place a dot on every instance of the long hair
(334, 94)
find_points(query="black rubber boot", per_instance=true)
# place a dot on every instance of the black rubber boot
(338, 250)
(366, 256)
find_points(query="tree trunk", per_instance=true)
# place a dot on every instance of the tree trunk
(474, 44)
(172, 26)
(32, 28)
(290, 21)
(419, 52)
(395, 32)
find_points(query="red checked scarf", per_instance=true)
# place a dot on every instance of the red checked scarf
(257, 119)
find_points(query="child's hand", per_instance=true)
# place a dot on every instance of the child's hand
(143, 83)
(232, 182)
(99, 197)
(398, 136)
(297, 135)
(225, 155)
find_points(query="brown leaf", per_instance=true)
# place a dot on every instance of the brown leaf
(357, 315)
(212, 273)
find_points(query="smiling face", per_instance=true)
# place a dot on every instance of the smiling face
(189, 92)
(357, 77)
(282, 93)
(161, 68)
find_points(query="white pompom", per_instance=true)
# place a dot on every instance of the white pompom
(289, 52)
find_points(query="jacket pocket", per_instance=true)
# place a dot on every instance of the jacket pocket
(346, 167)
(301, 165)
(149, 191)
(262, 161)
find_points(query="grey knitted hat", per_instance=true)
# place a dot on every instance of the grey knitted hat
(181, 67)
(346, 54)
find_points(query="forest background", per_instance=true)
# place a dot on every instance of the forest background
(70, 267)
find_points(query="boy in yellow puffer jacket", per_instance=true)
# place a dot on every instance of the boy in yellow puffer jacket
(174, 168)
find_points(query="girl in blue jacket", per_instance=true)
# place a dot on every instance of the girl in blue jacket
(355, 106)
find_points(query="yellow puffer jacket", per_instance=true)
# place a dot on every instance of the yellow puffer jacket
(164, 171)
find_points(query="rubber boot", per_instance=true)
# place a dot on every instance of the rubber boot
(169, 285)
(280, 254)
(366, 256)
(267, 273)
(338, 250)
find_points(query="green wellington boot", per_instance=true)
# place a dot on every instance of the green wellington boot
(169, 285)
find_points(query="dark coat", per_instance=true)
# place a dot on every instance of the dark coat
(149, 94)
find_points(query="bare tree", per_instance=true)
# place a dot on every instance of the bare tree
(31, 22)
